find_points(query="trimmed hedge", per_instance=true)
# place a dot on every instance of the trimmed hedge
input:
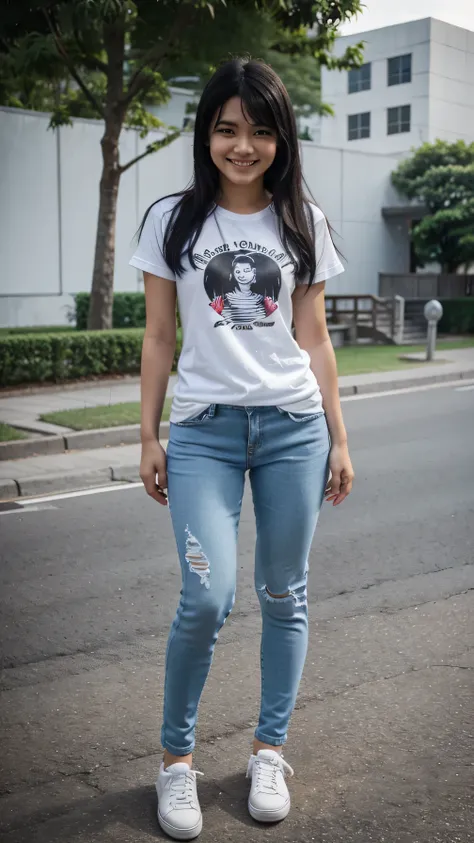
(458, 316)
(128, 310)
(37, 329)
(29, 358)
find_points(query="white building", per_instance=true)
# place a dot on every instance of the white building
(416, 85)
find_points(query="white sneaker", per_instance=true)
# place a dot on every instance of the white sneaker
(179, 813)
(269, 800)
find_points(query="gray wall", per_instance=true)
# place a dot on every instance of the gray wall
(49, 202)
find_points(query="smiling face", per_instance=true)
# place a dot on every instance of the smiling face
(244, 274)
(241, 150)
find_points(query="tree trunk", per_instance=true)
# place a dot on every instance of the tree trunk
(102, 292)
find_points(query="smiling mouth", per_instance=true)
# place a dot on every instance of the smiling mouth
(241, 163)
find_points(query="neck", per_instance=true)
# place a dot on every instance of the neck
(243, 199)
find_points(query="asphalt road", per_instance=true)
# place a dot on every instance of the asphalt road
(380, 737)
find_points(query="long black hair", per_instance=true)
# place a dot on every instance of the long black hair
(267, 103)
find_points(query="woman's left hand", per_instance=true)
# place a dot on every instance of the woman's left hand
(342, 475)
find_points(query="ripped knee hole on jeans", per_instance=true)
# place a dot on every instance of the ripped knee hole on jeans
(299, 599)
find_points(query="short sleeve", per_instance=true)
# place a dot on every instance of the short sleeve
(149, 255)
(327, 261)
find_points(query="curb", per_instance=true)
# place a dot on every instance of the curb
(8, 490)
(51, 483)
(81, 440)
(423, 380)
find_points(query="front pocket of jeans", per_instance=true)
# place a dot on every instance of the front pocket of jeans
(194, 419)
(302, 418)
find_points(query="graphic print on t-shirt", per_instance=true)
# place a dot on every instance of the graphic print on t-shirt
(243, 287)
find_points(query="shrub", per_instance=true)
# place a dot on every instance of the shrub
(128, 310)
(28, 358)
(458, 316)
(36, 329)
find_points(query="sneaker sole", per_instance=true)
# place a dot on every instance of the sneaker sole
(180, 833)
(269, 816)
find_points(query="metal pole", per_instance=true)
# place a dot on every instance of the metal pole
(431, 343)
(433, 312)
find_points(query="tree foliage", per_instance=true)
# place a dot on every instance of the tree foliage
(45, 46)
(440, 176)
(112, 59)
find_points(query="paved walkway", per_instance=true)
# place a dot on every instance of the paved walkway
(24, 410)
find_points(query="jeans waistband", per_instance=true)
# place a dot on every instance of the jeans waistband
(242, 408)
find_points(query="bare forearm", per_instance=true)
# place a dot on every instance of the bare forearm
(157, 360)
(323, 364)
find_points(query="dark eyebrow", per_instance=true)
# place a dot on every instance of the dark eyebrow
(234, 125)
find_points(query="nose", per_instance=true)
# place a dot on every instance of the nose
(243, 145)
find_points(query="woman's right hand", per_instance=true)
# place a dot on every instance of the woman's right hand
(153, 462)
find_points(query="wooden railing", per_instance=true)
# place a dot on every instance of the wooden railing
(426, 285)
(380, 319)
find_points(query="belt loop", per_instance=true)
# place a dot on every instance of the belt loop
(212, 410)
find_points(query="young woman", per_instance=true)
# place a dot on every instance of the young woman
(247, 255)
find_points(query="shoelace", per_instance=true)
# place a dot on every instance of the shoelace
(267, 773)
(182, 789)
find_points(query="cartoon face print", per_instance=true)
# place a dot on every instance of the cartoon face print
(244, 272)
(243, 288)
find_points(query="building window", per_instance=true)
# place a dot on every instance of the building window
(358, 126)
(360, 79)
(399, 70)
(398, 119)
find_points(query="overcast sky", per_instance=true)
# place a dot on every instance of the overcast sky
(385, 12)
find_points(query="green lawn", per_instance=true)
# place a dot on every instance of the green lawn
(353, 360)
(9, 434)
(93, 418)
(363, 359)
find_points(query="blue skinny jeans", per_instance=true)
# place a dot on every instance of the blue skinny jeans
(208, 457)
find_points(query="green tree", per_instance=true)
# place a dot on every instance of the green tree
(111, 58)
(440, 176)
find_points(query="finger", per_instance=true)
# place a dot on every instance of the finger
(332, 489)
(161, 478)
(160, 497)
(344, 493)
(153, 489)
(347, 487)
(346, 482)
(334, 486)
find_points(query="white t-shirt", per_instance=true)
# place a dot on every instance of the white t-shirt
(236, 311)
